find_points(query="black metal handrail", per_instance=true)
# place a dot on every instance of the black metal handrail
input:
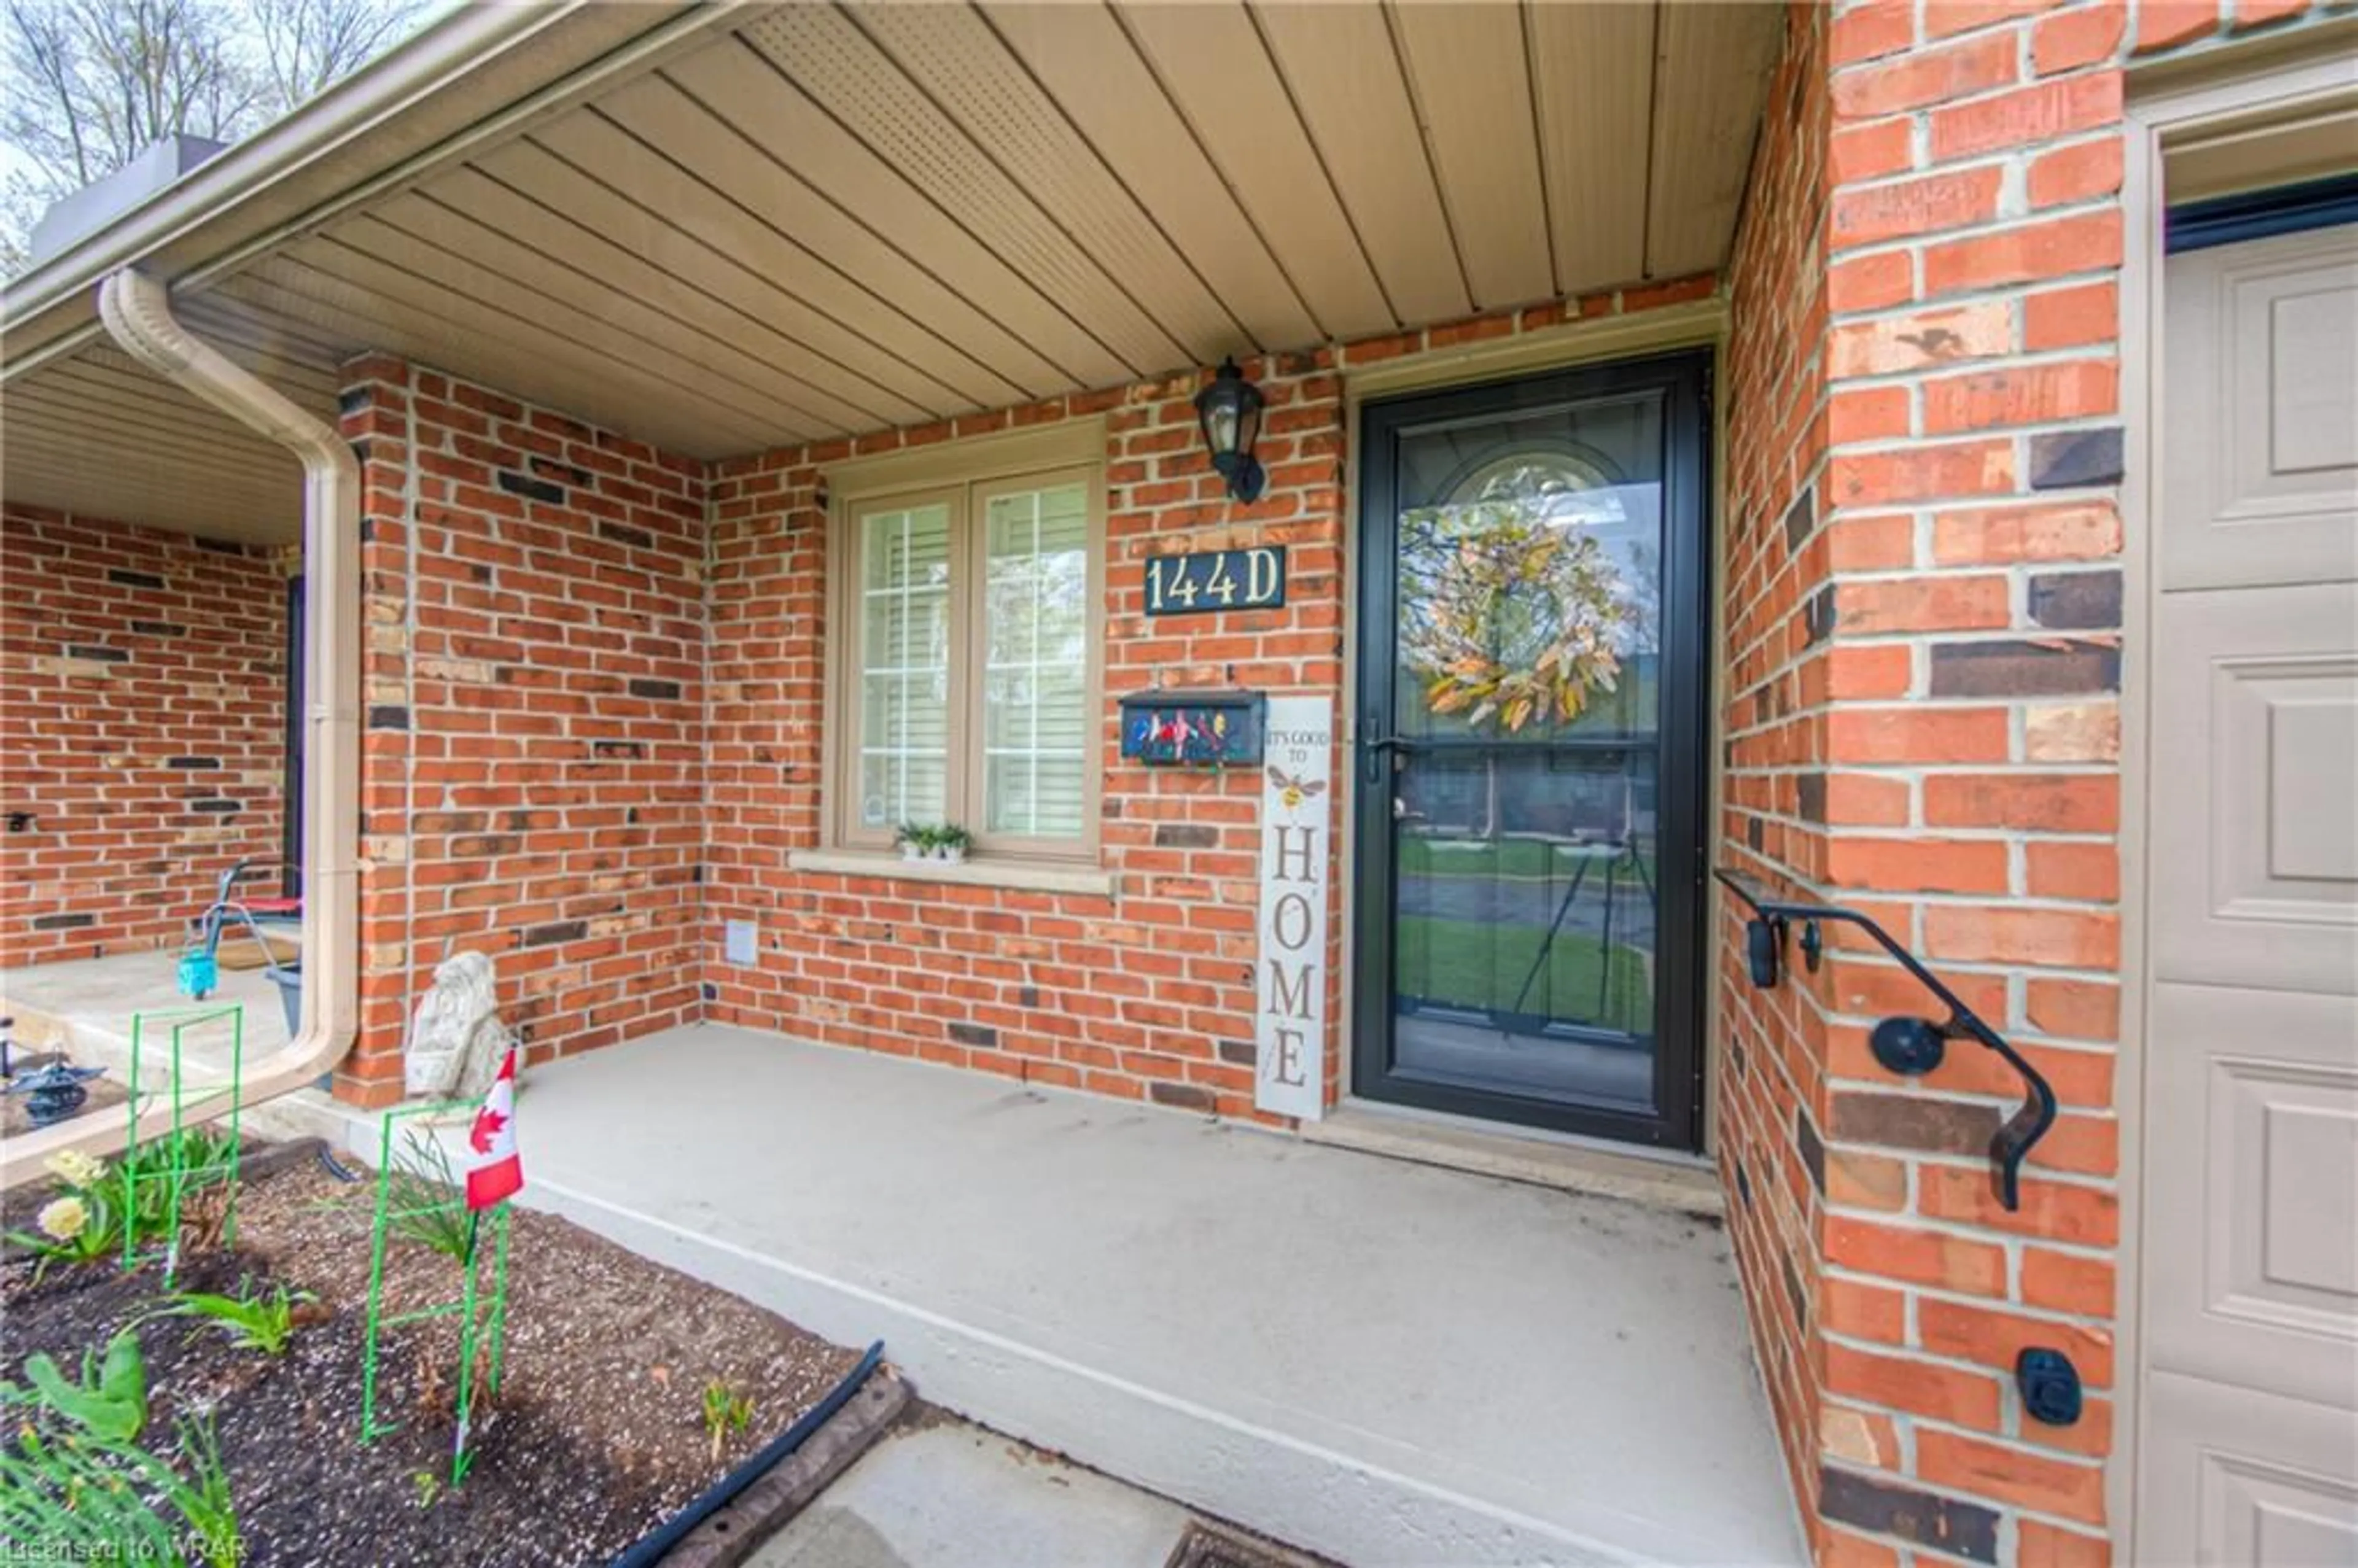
(1910, 1046)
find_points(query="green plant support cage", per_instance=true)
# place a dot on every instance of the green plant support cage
(482, 1312)
(166, 1161)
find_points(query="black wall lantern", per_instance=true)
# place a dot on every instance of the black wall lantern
(1230, 412)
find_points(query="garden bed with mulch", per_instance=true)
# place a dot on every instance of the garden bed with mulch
(597, 1433)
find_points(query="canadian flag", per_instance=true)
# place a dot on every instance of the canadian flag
(494, 1169)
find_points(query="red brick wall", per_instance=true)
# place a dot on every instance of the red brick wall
(592, 738)
(142, 708)
(532, 781)
(1923, 722)
(1148, 994)
(1773, 681)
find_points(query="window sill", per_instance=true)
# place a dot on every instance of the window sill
(1029, 875)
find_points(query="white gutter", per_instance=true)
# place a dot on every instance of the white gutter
(138, 313)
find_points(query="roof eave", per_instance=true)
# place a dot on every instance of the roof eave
(435, 86)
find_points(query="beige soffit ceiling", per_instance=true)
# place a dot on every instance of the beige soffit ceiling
(822, 220)
(99, 434)
(82, 428)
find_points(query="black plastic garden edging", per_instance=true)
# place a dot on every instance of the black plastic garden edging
(651, 1547)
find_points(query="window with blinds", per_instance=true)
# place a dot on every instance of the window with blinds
(1035, 660)
(904, 664)
(970, 630)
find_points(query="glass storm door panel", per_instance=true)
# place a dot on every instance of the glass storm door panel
(1529, 751)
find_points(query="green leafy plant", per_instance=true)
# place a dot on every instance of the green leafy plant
(932, 840)
(185, 1173)
(425, 1203)
(73, 1227)
(175, 1173)
(249, 1321)
(76, 1480)
(87, 1499)
(199, 1153)
(204, 1503)
(109, 1401)
(427, 1486)
(725, 1410)
(83, 1221)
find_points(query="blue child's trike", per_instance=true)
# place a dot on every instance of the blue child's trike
(200, 965)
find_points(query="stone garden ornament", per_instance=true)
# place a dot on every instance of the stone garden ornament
(456, 1039)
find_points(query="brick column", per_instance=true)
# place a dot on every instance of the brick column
(1923, 609)
(1768, 1046)
(376, 421)
(1971, 607)
(532, 757)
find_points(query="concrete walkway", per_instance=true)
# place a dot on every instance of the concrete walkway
(956, 1496)
(1382, 1362)
(87, 1006)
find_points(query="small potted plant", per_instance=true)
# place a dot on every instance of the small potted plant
(949, 842)
(916, 840)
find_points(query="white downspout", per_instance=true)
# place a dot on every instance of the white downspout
(138, 311)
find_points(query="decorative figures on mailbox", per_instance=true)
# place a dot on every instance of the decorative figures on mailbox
(1216, 730)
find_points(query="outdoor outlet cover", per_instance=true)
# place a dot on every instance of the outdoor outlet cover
(739, 944)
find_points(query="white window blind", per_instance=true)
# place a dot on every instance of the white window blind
(1035, 661)
(905, 667)
(968, 638)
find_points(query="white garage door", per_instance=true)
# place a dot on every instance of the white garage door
(2248, 1451)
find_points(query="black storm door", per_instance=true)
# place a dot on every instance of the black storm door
(1530, 761)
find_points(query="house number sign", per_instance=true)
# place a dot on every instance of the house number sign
(1216, 579)
(1297, 805)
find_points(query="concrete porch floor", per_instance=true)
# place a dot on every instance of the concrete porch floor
(86, 1006)
(1384, 1362)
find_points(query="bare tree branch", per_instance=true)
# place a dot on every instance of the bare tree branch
(308, 44)
(89, 83)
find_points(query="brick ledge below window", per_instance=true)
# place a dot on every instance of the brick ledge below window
(1032, 876)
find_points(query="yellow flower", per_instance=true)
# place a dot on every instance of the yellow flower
(62, 1219)
(76, 1169)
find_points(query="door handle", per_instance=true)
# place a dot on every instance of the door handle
(1371, 755)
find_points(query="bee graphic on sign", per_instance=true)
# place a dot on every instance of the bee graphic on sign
(1293, 791)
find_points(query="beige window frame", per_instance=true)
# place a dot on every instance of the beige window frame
(935, 479)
